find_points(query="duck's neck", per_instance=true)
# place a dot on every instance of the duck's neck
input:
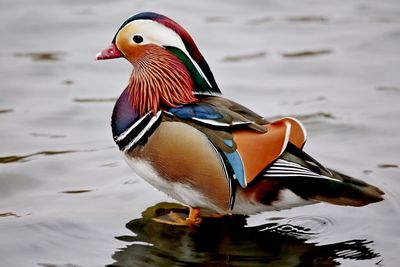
(159, 80)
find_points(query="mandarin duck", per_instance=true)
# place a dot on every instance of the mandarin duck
(216, 156)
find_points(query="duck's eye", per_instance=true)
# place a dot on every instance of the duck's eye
(137, 39)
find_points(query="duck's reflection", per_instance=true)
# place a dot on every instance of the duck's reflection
(227, 242)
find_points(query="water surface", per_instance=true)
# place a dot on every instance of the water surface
(68, 199)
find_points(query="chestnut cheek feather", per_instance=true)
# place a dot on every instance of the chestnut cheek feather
(158, 79)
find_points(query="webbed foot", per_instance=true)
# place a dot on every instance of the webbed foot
(173, 218)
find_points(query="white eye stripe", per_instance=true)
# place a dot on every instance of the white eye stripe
(153, 32)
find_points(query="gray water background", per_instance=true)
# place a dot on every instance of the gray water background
(66, 193)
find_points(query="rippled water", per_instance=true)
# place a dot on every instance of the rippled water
(68, 199)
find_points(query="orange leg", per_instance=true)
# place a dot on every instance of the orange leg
(193, 219)
(194, 216)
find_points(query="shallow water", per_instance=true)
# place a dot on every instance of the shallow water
(68, 199)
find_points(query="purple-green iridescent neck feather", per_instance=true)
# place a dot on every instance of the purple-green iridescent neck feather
(123, 115)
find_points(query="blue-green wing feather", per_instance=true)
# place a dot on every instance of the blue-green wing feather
(217, 111)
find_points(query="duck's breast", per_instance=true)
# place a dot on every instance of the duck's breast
(181, 161)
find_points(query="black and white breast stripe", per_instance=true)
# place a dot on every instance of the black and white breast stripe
(138, 132)
(284, 168)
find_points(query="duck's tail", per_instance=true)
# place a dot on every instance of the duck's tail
(306, 177)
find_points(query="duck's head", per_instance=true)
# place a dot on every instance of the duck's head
(168, 68)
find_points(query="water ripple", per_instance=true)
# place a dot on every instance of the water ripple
(94, 100)
(42, 56)
(302, 226)
(24, 158)
(6, 110)
(47, 135)
(314, 224)
(307, 53)
(77, 191)
(237, 58)
(9, 214)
